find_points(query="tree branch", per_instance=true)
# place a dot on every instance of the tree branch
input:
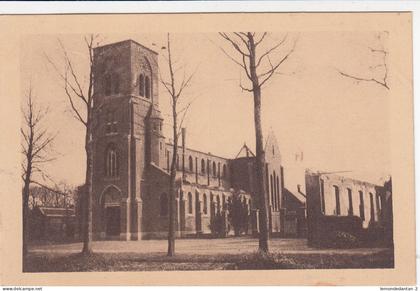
(273, 68)
(270, 50)
(261, 39)
(234, 44)
(49, 188)
(359, 79)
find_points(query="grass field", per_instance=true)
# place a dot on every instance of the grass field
(55, 262)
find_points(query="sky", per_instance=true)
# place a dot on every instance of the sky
(338, 123)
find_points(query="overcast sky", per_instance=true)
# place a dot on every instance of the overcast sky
(339, 124)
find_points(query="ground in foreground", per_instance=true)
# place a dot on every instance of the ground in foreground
(160, 262)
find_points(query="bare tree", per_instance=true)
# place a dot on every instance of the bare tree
(36, 149)
(377, 73)
(55, 196)
(259, 69)
(81, 102)
(175, 91)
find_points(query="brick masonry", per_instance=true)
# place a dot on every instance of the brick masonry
(132, 158)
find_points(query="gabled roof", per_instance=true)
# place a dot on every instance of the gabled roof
(159, 169)
(294, 196)
(271, 139)
(245, 152)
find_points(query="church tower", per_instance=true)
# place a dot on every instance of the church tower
(127, 135)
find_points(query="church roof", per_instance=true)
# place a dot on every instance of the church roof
(245, 152)
(294, 195)
(123, 42)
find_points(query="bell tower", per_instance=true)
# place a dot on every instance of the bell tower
(125, 94)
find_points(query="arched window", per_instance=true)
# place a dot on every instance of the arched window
(205, 203)
(214, 169)
(278, 192)
(147, 87)
(272, 190)
(218, 203)
(350, 197)
(224, 171)
(203, 166)
(163, 204)
(337, 200)
(116, 84)
(190, 203)
(362, 205)
(111, 162)
(223, 202)
(372, 208)
(177, 162)
(190, 163)
(211, 204)
(141, 85)
(107, 85)
(275, 190)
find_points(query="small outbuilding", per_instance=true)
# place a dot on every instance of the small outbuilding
(52, 223)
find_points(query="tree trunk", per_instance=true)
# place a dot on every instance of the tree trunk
(25, 211)
(260, 169)
(25, 191)
(171, 227)
(87, 238)
(260, 159)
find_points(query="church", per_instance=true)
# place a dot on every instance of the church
(132, 160)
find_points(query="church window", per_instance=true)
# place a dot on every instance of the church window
(141, 85)
(147, 87)
(218, 203)
(214, 169)
(223, 201)
(361, 205)
(278, 192)
(350, 197)
(322, 197)
(177, 162)
(275, 190)
(337, 200)
(372, 207)
(164, 204)
(205, 203)
(378, 202)
(203, 166)
(190, 203)
(190, 163)
(111, 123)
(272, 190)
(224, 171)
(111, 165)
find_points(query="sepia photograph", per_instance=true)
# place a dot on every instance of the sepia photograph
(217, 147)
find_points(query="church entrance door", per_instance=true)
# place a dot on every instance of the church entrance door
(113, 215)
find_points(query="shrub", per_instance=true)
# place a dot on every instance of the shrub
(238, 215)
(341, 239)
(218, 226)
(264, 261)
